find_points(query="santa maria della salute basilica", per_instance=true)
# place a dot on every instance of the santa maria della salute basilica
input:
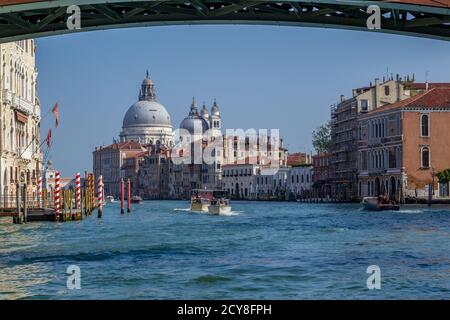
(148, 121)
(143, 152)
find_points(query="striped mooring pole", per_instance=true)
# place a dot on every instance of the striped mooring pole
(57, 192)
(78, 190)
(100, 196)
(39, 191)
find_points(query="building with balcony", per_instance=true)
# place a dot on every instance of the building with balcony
(402, 146)
(20, 116)
(345, 128)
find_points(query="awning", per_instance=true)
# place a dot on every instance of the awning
(21, 117)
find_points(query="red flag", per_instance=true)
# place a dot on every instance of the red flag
(55, 111)
(49, 137)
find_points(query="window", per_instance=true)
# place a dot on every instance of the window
(386, 90)
(425, 125)
(444, 190)
(425, 157)
(364, 104)
(392, 158)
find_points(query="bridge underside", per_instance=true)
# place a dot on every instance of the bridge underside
(43, 18)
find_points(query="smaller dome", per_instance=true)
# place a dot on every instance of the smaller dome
(194, 124)
(204, 112)
(215, 111)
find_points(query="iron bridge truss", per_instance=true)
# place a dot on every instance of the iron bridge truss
(29, 19)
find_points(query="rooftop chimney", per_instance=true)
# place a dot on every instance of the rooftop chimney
(342, 98)
(377, 93)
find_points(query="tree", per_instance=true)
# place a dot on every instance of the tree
(443, 176)
(321, 138)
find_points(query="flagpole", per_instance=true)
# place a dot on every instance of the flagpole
(47, 113)
(20, 154)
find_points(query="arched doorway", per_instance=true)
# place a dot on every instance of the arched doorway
(393, 187)
(236, 190)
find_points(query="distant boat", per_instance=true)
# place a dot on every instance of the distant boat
(109, 199)
(374, 204)
(136, 199)
(200, 200)
(212, 201)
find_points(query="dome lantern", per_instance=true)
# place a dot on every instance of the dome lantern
(147, 89)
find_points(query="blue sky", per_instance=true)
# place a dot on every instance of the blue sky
(261, 76)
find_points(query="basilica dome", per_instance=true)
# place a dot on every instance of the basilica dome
(147, 113)
(147, 121)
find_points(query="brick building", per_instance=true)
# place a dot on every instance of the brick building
(403, 145)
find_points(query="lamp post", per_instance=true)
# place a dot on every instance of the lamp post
(431, 188)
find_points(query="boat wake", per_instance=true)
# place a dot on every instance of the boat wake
(410, 211)
(231, 213)
(182, 209)
(234, 213)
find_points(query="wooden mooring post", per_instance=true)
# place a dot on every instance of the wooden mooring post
(122, 195)
(25, 212)
(128, 195)
(17, 218)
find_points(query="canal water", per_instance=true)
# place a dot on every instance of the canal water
(266, 250)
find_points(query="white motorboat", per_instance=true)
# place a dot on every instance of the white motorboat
(211, 201)
(109, 199)
(200, 200)
(220, 207)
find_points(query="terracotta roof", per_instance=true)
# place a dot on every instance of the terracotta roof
(438, 97)
(127, 145)
(423, 85)
(296, 158)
